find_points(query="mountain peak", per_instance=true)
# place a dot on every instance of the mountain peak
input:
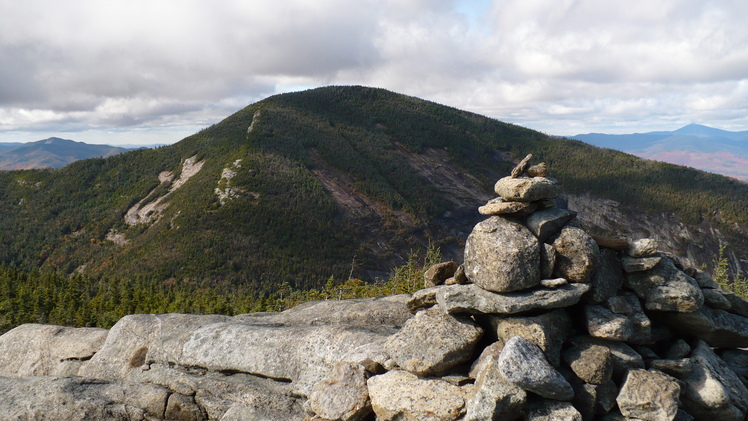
(700, 130)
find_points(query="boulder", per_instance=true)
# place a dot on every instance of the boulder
(472, 299)
(713, 391)
(716, 327)
(495, 398)
(645, 247)
(403, 396)
(502, 256)
(666, 288)
(546, 223)
(623, 357)
(577, 255)
(607, 280)
(438, 273)
(39, 350)
(523, 363)
(75, 398)
(343, 395)
(543, 410)
(526, 189)
(433, 341)
(649, 395)
(547, 330)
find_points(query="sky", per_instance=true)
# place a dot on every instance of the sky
(155, 71)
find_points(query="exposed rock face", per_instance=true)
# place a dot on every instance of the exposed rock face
(541, 322)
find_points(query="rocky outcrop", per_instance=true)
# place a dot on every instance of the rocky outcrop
(541, 322)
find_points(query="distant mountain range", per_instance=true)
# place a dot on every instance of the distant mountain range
(50, 153)
(701, 147)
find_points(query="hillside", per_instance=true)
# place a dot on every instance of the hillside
(706, 148)
(51, 153)
(337, 181)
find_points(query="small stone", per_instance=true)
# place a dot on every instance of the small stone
(495, 398)
(715, 299)
(591, 363)
(679, 368)
(649, 395)
(548, 330)
(702, 278)
(551, 411)
(623, 357)
(548, 222)
(423, 298)
(343, 395)
(438, 273)
(666, 288)
(499, 207)
(603, 323)
(639, 264)
(613, 243)
(521, 167)
(547, 260)
(608, 278)
(553, 283)
(679, 349)
(538, 170)
(645, 247)
(524, 364)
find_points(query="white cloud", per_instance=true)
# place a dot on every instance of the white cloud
(561, 66)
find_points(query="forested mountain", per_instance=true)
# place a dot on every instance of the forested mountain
(50, 153)
(336, 181)
(706, 148)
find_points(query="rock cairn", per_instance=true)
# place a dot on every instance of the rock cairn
(543, 322)
(540, 322)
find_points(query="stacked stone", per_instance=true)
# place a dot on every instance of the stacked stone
(543, 322)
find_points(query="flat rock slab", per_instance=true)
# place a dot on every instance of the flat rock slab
(527, 189)
(523, 364)
(433, 341)
(472, 299)
(500, 207)
(502, 256)
(717, 327)
(403, 396)
(38, 350)
(546, 223)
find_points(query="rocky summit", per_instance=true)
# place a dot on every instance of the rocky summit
(540, 322)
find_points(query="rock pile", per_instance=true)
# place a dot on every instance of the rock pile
(540, 322)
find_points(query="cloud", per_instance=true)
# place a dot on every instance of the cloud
(554, 65)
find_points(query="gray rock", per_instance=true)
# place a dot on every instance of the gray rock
(523, 363)
(713, 391)
(678, 368)
(645, 247)
(526, 189)
(458, 278)
(502, 256)
(423, 298)
(403, 396)
(371, 355)
(521, 167)
(639, 264)
(594, 399)
(577, 255)
(38, 350)
(474, 300)
(605, 324)
(548, 331)
(183, 408)
(495, 398)
(716, 327)
(546, 223)
(737, 360)
(544, 410)
(489, 355)
(649, 395)
(438, 273)
(628, 304)
(607, 280)
(666, 288)
(678, 349)
(538, 170)
(432, 342)
(238, 412)
(75, 398)
(499, 207)
(342, 396)
(547, 260)
(738, 305)
(623, 357)
(715, 299)
(702, 278)
(553, 283)
(590, 362)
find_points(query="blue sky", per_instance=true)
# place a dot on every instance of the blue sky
(156, 71)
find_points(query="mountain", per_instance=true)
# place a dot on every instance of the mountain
(706, 148)
(50, 153)
(336, 182)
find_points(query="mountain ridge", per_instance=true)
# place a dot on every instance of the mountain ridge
(330, 182)
(53, 152)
